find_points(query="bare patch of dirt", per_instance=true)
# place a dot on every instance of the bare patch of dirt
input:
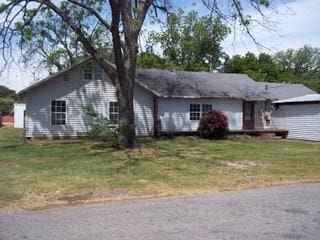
(76, 198)
(241, 164)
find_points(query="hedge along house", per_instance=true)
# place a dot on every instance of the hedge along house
(164, 101)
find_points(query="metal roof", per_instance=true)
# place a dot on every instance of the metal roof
(301, 99)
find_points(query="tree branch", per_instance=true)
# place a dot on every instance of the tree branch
(93, 12)
(109, 68)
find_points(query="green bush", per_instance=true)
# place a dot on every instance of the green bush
(6, 105)
(102, 129)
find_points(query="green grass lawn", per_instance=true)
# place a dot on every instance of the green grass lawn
(53, 172)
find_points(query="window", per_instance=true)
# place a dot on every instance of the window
(206, 108)
(58, 112)
(194, 111)
(66, 77)
(97, 73)
(113, 112)
(87, 73)
(199, 110)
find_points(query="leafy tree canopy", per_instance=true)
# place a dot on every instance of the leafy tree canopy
(292, 66)
(6, 105)
(49, 38)
(188, 42)
(151, 60)
(7, 99)
(6, 92)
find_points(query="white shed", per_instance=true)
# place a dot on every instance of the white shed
(300, 116)
(19, 109)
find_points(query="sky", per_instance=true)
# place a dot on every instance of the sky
(295, 25)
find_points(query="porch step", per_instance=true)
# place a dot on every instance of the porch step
(262, 133)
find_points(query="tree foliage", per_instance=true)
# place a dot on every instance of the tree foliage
(7, 99)
(6, 92)
(291, 66)
(151, 60)
(50, 39)
(190, 42)
(6, 105)
(260, 68)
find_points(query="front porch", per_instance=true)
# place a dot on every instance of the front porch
(261, 132)
(257, 121)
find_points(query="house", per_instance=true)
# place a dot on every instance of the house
(164, 101)
(300, 115)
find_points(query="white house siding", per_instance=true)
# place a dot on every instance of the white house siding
(301, 120)
(174, 113)
(78, 93)
(19, 109)
(143, 109)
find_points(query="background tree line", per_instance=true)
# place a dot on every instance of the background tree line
(7, 99)
(192, 43)
(289, 66)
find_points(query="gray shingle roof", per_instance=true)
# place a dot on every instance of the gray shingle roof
(277, 91)
(179, 84)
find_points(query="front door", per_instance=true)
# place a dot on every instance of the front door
(248, 115)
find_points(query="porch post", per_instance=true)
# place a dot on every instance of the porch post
(156, 119)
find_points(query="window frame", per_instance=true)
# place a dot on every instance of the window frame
(113, 112)
(65, 113)
(66, 77)
(98, 71)
(201, 111)
(87, 68)
(202, 106)
(191, 112)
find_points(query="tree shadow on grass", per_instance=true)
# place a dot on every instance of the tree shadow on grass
(11, 146)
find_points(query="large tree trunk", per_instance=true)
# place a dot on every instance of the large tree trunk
(125, 59)
(125, 93)
(126, 131)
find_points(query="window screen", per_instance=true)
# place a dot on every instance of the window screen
(87, 73)
(113, 112)
(58, 112)
(98, 73)
(194, 111)
(206, 108)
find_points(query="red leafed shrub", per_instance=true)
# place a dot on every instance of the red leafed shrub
(213, 125)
